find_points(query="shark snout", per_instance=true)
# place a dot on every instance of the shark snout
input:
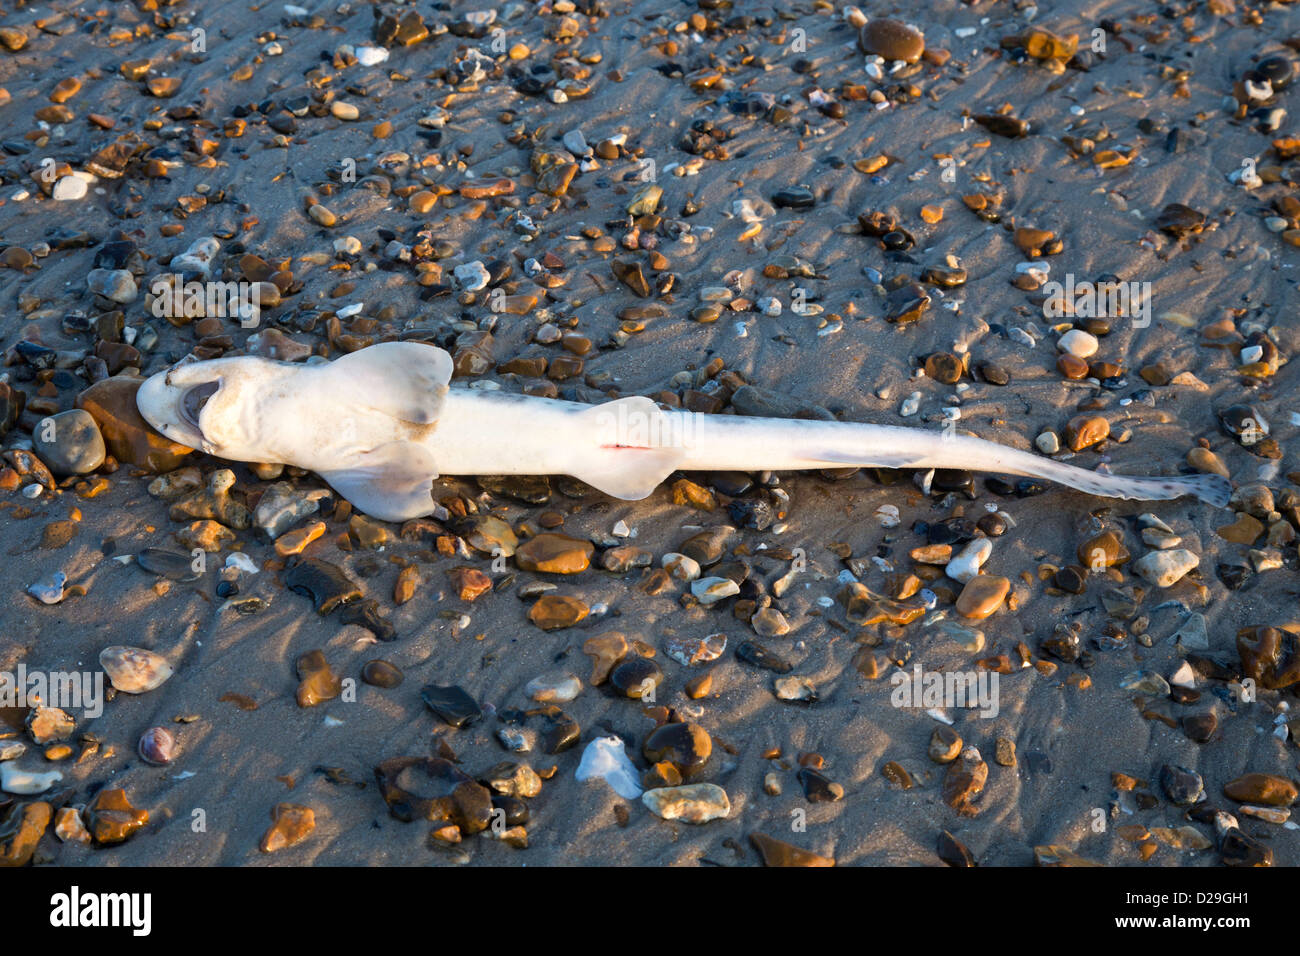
(171, 403)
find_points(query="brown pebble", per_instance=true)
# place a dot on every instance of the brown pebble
(892, 39)
(318, 682)
(1084, 431)
(1265, 788)
(380, 673)
(982, 595)
(291, 823)
(1071, 366)
(407, 581)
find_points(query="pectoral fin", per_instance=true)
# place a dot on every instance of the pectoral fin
(628, 473)
(633, 448)
(407, 380)
(392, 482)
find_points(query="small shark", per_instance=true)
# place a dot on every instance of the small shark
(381, 423)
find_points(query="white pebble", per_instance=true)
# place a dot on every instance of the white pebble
(1078, 343)
(606, 759)
(967, 564)
(371, 55)
(69, 187)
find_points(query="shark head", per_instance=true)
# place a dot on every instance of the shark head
(215, 406)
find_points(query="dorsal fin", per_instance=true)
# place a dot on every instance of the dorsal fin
(407, 380)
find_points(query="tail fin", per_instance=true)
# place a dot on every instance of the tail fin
(912, 448)
(1211, 489)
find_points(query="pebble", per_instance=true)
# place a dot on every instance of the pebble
(48, 725)
(197, 259)
(1245, 530)
(553, 553)
(953, 852)
(381, 673)
(605, 651)
(945, 745)
(604, 758)
(554, 688)
(714, 589)
(636, 677)
(171, 565)
(552, 612)
(69, 827)
(1200, 727)
(966, 565)
(1084, 431)
(371, 55)
(205, 536)
(1165, 568)
(1206, 461)
(892, 39)
(1104, 550)
(686, 746)
(1264, 788)
(26, 782)
(982, 596)
(472, 276)
(326, 584)
(12, 749)
(317, 681)
(134, 670)
(70, 188)
(1238, 849)
(964, 782)
(49, 589)
(752, 652)
(680, 566)
(116, 285)
(689, 651)
(1267, 814)
(795, 690)
(1005, 752)
(778, 853)
(692, 803)
(1145, 682)
(1183, 787)
(282, 506)
(111, 818)
(453, 704)
(1078, 343)
(157, 746)
(769, 622)
(291, 823)
(128, 437)
(817, 788)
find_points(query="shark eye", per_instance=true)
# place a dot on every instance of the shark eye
(193, 401)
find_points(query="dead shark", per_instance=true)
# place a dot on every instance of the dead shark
(381, 423)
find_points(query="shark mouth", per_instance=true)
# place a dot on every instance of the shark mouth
(193, 400)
